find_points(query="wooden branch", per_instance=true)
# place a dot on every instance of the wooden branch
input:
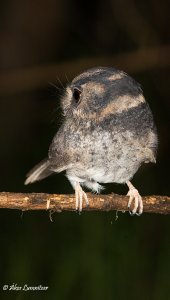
(34, 77)
(59, 203)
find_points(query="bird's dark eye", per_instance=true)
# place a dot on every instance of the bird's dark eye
(76, 95)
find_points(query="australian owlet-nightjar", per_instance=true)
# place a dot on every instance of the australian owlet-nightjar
(107, 133)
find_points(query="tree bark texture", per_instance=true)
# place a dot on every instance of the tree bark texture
(59, 203)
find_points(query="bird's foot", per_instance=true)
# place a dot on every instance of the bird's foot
(80, 196)
(134, 196)
(48, 204)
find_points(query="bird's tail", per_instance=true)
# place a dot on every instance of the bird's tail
(39, 172)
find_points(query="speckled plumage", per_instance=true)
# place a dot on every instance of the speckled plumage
(107, 133)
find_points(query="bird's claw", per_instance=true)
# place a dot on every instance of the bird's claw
(80, 196)
(138, 204)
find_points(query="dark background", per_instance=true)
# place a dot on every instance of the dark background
(43, 45)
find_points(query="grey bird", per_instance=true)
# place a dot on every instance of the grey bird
(107, 133)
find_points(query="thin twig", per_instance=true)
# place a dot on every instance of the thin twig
(59, 203)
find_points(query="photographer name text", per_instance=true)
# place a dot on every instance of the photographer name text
(25, 287)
